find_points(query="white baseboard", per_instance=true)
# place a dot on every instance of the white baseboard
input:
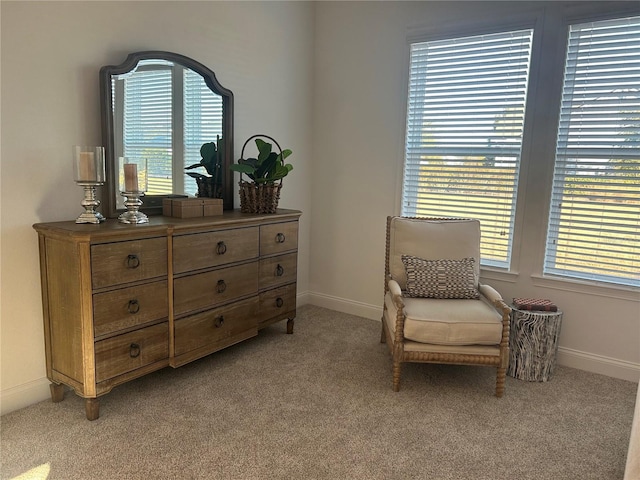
(24, 395)
(611, 367)
(373, 312)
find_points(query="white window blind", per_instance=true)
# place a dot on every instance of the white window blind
(147, 123)
(594, 221)
(202, 121)
(465, 120)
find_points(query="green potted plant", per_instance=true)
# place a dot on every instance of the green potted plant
(212, 155)
(265, 172)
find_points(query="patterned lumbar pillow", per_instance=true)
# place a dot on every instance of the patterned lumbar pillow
(440, 278)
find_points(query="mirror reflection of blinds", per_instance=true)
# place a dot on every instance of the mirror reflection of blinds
(202, 121)
(594, 222)
(148, 125)
(465, 121)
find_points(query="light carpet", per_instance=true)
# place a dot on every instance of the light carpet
(318, 404)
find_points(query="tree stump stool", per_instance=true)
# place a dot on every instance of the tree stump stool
(533, 344)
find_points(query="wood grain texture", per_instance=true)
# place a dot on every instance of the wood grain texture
(206, 290)
(64, 296)
(277, 303)
(204, 250)
(128, 307)
(216, 325)
(279, 270)
(120, 302)
(278, 237)
(130, 261)
(130, 351)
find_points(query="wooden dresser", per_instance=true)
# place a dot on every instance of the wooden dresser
(121, 301)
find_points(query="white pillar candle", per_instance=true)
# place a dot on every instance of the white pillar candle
(87, 167)
(130, 177)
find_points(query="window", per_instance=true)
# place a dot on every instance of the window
(465, 119)
(594, 220)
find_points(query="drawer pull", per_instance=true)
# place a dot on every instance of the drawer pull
(221, 248)
(134, 350)
(218, 322)
(133, 261)
(133, 307)
(279, 302)
(280, 238)
(279, 271)
(221, 286)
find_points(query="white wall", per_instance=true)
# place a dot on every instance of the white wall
(51, 55)
(361, 70)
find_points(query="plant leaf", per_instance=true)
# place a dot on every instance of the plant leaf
(266, 169)
(195, 175)
(264, 148)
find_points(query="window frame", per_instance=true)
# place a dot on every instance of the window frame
(574, 16)
(531, 20)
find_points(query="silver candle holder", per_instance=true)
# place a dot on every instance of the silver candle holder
(90, 203)
(133, 203)
(88, 172)
(133, 184)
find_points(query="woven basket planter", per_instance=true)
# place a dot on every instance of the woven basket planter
(259, 198)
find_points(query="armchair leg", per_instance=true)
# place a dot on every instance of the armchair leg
(397, 367)
(502, 374)
(383, 337)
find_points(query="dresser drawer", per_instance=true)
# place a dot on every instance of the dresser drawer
(277, 301)
(209, 289)
(128, 307)
(131, 351)
(220, 325)
(124, 262)
(278, 270)
(204, 250)
(278, 237)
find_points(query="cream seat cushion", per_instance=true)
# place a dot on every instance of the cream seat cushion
(449, 321)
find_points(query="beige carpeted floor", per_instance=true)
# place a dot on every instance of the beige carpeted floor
(318, 405)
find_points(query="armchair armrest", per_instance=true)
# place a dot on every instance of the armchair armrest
(396, 297)
(490, 293)
(499, 304)
(394, 288)
(495, 299)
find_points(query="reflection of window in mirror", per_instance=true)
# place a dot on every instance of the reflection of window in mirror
(164, 112)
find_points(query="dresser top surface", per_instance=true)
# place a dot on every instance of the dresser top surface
(161, 225)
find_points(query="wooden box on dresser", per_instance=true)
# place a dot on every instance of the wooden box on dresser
(120, 301)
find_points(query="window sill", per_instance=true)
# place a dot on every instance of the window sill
(498, 275)
(570, 285)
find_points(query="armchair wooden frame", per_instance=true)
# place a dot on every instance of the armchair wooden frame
(397, 343)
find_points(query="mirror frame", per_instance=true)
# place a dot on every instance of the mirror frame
(154, 206)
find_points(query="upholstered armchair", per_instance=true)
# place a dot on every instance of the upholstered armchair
(435, 309)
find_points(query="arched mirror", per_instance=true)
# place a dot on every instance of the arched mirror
(161, 107)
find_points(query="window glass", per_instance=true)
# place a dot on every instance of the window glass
(465, 120)
(594, 220)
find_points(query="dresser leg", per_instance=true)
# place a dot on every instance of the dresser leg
(92, 408)
(290, 325)
(57, 392)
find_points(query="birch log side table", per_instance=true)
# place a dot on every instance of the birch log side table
(533, 344)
